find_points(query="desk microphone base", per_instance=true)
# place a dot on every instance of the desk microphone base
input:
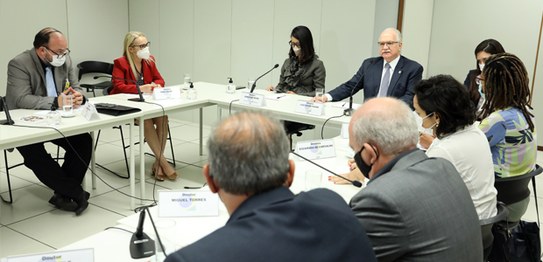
(136, 99)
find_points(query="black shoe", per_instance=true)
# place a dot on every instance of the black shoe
(82, 202)
(63, 203)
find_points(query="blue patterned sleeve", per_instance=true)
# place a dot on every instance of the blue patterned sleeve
(494, 128)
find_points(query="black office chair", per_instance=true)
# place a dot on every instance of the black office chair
(8, 168)
(295, 128)
(514, 189)
(95, 68)
(486, 228)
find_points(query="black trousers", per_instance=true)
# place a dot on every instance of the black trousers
(66, 179)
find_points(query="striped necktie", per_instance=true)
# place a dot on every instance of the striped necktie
(383, 89)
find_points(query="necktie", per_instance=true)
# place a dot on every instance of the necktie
(50, 82)
(385, 81)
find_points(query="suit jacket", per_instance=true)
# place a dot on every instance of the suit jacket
(26, 86)
(406, 75)
(302, 79)
(418, 209)
(122, 70)
(279, 226)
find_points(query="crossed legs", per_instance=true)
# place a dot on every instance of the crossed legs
(156, 133)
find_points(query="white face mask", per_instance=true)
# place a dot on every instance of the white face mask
(144, 53)
(481, 66)
(56, 62)
(426, 130)
(296, 50)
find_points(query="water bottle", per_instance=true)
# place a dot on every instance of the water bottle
(230, 88)
(186, 82)
(191, 93)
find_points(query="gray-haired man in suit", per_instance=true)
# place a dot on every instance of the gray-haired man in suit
(389, 74)
(414, 208)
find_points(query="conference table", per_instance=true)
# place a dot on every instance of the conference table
(32, 126)
(112, 244)
(208, 94)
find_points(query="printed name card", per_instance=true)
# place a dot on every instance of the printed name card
(310, 108)
(187, 204)
(83, 255)
(88, 110)
(168, 92)
(252, 99)
(317, 149)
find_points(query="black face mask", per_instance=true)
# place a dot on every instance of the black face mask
(364, 168)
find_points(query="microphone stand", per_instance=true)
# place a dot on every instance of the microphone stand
(355, 183)
(349, 111)
(254, 84)
(140, 94)
(4, 107)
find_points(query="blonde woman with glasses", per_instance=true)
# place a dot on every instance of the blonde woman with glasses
(137, 65)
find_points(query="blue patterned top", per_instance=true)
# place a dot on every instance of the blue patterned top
(513, 145)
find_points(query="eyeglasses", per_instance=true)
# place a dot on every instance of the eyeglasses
(59, 56)
(389, 43)
(294, 44)
(142, 46)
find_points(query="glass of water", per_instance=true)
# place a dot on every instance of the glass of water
(67, 105)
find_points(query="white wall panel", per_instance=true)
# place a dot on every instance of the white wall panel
(144, 16)
(346, 39)
(176, 39)
(252, 40)
(213, 40)
(96, 29)
(417, 31)
(19, 23)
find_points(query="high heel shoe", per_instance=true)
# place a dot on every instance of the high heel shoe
(172, 176)
(156, 174)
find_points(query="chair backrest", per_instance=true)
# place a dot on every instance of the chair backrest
(95, 67)
(514, 189)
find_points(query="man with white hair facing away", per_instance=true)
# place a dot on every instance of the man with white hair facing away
(414, 208)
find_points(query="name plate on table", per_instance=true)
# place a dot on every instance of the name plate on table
(187, 204)
(169, 92)
(80, 255)
(88, 110)
(317, 149)
(252, 99)
(310, 108)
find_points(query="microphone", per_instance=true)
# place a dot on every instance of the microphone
(355, 183)
(254, 84)
(141, 245)
(138, 99)
(4, 107)
(349, 111)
